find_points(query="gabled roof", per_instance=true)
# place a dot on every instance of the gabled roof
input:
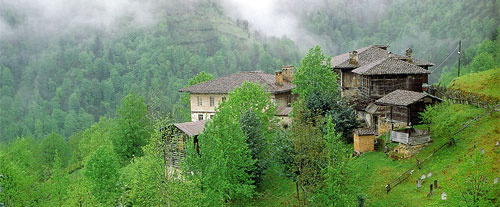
(191, 128)
(230, 82)
(375, 109)
(403, 98)
(390, 65)
(367, 55)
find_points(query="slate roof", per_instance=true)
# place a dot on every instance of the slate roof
(367, 55)
(230, 82)
(402, 98)
(191, 128)
(390, 65)
(375, 109)
(365, 131)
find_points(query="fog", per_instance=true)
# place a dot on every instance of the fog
(53, 17)
(283, 17)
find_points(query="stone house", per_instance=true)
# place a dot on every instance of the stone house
(206, 96)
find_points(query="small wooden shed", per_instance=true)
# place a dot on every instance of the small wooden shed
(364, 140)
(404, 107)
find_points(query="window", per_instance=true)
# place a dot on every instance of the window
(212, 101)
(200, 117)
(211, 116)
(200, 101)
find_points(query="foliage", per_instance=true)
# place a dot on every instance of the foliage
(314, 74)
(65, 83)
(252, 127)
(475, 188)
(319, 104)
(102, 172)
(18, 185)
(87, 142)
(56, 188)
(344, 118)
(55, 146)
(133, 128)
(152, 181)
(283, 153)
(225, 165)
(224, 161)
(478, 58)
(79, 193)
(338, 186)
(309, 156)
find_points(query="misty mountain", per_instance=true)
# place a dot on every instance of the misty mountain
(60, 73)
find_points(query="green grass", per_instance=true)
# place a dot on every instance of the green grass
(375, 169)
(485, 83)
(274, 190)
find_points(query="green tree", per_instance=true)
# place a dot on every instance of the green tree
(55, 146)
(338, 186)
(315, 74)
(308, 154)
(152, 181)
(19, 185)
(482, 62)
(102, 172)
(132, 128)
(251, 126)
(225, 158)
(474, 186)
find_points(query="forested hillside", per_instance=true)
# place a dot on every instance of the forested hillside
(89, 95)
(62, 83)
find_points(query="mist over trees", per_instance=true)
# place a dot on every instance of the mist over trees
(66, 82)
(86, 88)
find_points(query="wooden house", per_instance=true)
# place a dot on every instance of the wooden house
(404, 107)
(175, 137)
(345, 64)
(386, 75)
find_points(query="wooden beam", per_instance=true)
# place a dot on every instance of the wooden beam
(392, 123)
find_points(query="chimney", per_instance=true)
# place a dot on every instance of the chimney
(409, 53)
(279, 78)
(353, 58)
(287, 71)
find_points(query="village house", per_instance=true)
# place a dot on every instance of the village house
(206, 96)
(375, 56)
(371, 76)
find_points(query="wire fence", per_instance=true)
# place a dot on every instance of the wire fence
(451, 140)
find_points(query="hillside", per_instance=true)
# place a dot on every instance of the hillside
(446, 166)
(485, 83)
(66, 82)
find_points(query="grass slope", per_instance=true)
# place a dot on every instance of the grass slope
(486, 83)
(375, 169)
